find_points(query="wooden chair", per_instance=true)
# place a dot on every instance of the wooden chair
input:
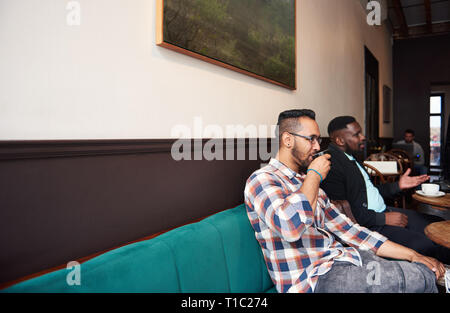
(400, 153)
(379, 178)
(404, 157)
(376, 176)
(408, 162)
(385, 156)
(344, 207)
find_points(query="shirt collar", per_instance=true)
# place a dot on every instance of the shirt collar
(350, 157)
(283, 168)
(335, 148)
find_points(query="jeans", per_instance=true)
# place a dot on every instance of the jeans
(377, 275)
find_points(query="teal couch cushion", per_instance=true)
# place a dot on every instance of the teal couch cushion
(146, 266)
(217, 254)
(200, 262)
(246, 268)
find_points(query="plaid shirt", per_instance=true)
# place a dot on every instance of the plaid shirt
(297, 246)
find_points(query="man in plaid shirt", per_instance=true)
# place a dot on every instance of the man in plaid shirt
(308, 245)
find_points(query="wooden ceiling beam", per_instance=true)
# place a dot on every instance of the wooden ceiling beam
(401, 17)
(422, 31)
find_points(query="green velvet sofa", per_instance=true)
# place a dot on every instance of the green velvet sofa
(218, 254)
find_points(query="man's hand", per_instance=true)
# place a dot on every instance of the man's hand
(310, 187)
(321, 164)
(396, 219)
(390, 249)
(406, 181)
(433, 264)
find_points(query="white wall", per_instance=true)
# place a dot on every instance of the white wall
(107, 79)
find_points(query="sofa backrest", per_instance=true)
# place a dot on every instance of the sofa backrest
(217, 254)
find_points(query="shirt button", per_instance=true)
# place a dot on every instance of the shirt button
(364, 205)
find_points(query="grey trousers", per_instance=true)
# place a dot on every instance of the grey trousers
(377, 275)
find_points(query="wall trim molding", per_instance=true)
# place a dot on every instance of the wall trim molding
(38, 149)
(43, 149)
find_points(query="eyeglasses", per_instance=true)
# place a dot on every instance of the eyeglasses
(310, 138)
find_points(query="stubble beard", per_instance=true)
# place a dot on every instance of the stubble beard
(302, 164)
(350, 151)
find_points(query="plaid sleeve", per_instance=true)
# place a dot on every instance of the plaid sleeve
(286, 213)
(352, 234)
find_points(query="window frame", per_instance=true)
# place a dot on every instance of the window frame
(442, 116)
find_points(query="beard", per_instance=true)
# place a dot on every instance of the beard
(358, 149)
(300, 159)
(350, 151)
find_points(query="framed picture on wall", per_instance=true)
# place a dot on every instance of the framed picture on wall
(253, 37)
(386, 104)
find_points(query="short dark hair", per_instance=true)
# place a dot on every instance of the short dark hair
(288, 120)
(339, 123)
(410, 131)
(296, 113)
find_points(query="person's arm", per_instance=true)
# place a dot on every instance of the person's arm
(388, 190)
(362, 238)
(310, 186)
(352, 234)
(396, 219)
(286, 213)
(393, 250)
(337, 186)
(405, 181)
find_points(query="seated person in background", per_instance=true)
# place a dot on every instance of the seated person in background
(348, 180)
(418, 154)
(295, 224)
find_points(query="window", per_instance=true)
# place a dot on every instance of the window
(436, 115)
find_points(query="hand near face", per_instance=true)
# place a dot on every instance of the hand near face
(406, 181)
(321, 164)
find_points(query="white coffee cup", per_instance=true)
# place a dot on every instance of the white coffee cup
(430, 189)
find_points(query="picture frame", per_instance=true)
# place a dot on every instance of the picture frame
(254, 38)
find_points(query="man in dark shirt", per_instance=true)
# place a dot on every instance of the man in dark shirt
(347, 180)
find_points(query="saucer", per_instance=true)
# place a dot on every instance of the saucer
(434, 195)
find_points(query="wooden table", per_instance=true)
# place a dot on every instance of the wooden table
(439, 232)
(441, 203)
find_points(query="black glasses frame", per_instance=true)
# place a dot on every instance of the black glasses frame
(310, 138)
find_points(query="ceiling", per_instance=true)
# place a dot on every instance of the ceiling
(418, 18)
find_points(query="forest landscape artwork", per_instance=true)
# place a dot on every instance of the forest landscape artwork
(254, 37)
